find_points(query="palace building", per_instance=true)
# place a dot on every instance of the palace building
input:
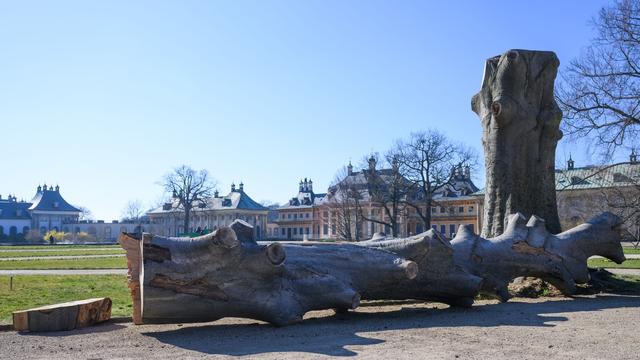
(47, 210)
(319, 216)
(211, 214)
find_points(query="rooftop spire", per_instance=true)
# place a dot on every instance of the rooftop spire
(570, 163)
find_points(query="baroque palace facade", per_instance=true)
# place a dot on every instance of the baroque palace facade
(30, 220)
(211, 214)
(313, 216)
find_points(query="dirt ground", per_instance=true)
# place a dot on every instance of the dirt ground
(586, 327)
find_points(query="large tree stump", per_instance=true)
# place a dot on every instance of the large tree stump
(65, 316)
(520, 121)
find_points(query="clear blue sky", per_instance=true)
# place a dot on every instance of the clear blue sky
(104, 97)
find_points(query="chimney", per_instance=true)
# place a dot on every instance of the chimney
(57, 188)
(233, 187)
(215, 194)
(633, 158)
(301, 186)
(39, 189)
(241, 186)
(310, 185)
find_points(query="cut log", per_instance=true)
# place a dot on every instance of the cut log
(520, 122)
(227, 274)
(64, 316)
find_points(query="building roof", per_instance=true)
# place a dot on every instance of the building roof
(11, 209)
(461, 185)
(50, 200)
(595, 177)
(306, 198)
(237, 199)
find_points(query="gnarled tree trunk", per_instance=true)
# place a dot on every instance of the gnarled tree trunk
(227, 273)
(520, 121)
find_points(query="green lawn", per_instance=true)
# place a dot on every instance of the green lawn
(95, 263)
(54, 247)
(631, 250)
(79, 252)
(33, 291)
(604, 263)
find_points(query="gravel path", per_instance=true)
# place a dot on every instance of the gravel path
(65, 272)
(589, 327)
(61, 257)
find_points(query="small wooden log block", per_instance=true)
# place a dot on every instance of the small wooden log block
(64, 316)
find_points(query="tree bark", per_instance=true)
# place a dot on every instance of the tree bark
(520, 121)
(226, 273)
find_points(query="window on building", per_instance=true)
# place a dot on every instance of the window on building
(434, 210)
(470, 208)
(443, 229)
(434, 227)
(325, 229)
(295, 216)
(307, 215)
(452, 230)
(288, 216)
(282, 231)
(325, 214)
(295, 231)
(471, 228)
(306, 231)
(1, 230)
(442, 210)
(333, 229)
(301, 231)
(460, 209)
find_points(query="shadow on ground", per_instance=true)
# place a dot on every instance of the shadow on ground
(330, 335)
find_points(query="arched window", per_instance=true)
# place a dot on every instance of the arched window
(107, 233)
(13, 231)
(25, 230)
(1, 230)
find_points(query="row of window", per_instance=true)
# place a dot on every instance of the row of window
(451, 210)
(295, 216)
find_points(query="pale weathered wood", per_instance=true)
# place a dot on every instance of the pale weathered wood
(64, 316)
(133, 249)
(520, 121)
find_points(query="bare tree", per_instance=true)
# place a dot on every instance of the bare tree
(85, 213)
(344, 204)
(134, 212)
(188, 187)
(625, 202)
(600, 91)
(429, 162)
(387, 190)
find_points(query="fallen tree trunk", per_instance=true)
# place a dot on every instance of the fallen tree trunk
(454, 273)
(227, 273)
